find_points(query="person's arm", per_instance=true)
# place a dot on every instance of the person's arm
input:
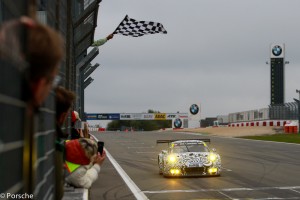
(85, 176)
(100, 42)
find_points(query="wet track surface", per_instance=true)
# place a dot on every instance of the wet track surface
(251, 170)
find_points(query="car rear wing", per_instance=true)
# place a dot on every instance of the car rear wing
(169, 141)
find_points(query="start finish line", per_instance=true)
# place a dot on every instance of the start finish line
(136, 116)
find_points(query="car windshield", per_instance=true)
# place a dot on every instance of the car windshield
(186, 147)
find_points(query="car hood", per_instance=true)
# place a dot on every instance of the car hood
(193, 157)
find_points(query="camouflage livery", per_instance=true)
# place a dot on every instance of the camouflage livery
(189, 158)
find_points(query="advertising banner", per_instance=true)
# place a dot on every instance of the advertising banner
(171, 116)
(103, 116)
(126, 116)
(160, 116)
(136, 116)
(148, 116)
(91, 116)
(114, 116)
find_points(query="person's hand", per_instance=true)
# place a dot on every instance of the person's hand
(110, 36)
(100, 158)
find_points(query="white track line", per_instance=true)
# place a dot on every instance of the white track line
(229, 197)
(225, 169)
(295, 191)
(225, 190)
(139, 195)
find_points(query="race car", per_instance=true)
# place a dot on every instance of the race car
(188, 158)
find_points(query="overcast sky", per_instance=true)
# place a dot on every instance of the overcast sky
(214, 55)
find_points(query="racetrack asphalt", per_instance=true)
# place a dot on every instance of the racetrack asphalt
(251, 169)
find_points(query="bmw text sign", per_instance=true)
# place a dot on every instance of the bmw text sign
(277, 65)
(177, 123)
(277, 51)
(194, 109)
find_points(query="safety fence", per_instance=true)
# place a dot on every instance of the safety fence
(287, 111)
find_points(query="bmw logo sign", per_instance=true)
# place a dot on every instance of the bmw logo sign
(194, 109)
(277, 50)
(177, 123)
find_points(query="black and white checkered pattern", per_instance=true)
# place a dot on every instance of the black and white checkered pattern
(134, 28)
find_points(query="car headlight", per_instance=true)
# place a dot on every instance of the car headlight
(172, 158)
(175, 171)
(213, 170)
(212, 157)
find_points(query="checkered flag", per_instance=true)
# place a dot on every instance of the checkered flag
(131, 27)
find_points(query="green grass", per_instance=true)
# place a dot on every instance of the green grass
(289, 138)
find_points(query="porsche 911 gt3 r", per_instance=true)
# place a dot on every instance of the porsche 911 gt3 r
(189, 158)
